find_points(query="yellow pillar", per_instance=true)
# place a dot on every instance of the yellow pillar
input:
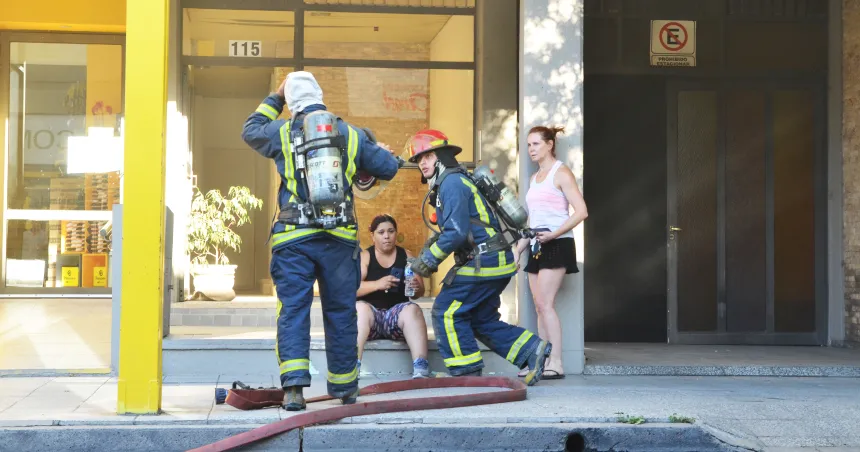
(139, 383)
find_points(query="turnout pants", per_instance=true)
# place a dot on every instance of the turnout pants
(294, 269)
(465, 311)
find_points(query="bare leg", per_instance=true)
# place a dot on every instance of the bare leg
(534, 285)
(365, 323)
(411, 322)
(550, 283)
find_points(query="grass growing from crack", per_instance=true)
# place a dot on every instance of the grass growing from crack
(675, 419)
(627, 419)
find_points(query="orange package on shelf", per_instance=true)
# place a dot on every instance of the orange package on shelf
(94, 270)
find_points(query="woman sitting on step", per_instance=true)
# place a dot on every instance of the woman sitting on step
(384, 310)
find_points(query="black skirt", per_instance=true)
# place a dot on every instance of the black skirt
(558, 253)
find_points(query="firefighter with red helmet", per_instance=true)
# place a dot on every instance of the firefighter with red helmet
(468, 305)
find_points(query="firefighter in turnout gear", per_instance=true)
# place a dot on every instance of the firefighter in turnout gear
(468, 305)
(317, 155)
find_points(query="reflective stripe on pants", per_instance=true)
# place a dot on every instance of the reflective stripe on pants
(294, 269)
(467, 311)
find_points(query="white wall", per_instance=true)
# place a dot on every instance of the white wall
(551, 76)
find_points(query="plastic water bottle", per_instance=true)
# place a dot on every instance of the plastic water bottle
(409, 277)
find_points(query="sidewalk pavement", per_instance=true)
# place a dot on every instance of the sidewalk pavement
(755, 413)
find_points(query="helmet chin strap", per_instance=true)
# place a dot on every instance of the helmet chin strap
(436, 172)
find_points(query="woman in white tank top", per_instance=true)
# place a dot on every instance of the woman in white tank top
(552, 254)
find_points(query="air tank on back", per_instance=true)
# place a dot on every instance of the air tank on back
(325, 177)
(506, 201)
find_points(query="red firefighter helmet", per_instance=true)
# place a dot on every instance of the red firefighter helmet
(428, 140)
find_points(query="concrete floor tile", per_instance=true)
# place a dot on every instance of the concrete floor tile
(6, 402)
(21, 386)
(255, 381)
(191, 379)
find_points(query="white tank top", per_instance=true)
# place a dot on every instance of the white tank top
(547, 205)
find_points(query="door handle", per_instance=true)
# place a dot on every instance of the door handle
(674, 228)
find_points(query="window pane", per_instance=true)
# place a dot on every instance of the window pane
(238, 33)
(794, 211)
(65, 110)
(395, 103)
(409, 37)
(39, 252)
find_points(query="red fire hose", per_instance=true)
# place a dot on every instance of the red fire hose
(517, 393)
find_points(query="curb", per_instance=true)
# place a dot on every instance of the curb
(376, 437)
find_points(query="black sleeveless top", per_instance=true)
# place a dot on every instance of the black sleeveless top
(379, 299)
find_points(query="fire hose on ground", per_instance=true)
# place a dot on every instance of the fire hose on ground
(249, 399)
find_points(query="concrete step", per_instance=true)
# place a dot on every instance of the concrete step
(249, 314)
(252, 352)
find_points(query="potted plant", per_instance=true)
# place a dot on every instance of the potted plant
(211, 234)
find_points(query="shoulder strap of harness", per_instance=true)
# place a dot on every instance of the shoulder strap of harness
(494, 244)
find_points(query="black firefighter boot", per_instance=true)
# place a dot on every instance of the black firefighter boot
(350, 398)
(294, 400)
(537, 361)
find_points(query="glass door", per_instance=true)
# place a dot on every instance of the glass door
(62, 111)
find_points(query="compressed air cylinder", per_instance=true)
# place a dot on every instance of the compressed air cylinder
(507, 204)
(325, 175)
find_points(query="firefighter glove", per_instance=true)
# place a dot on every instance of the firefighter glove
(423, 268)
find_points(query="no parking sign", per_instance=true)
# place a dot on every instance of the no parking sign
(673, 43)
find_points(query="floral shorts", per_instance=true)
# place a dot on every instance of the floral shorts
(385, 322)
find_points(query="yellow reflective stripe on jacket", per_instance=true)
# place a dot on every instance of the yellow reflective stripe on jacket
(464, 360)
(282, 237)
(437, 252)
(268, 111)
(295, 364)
(488, 271)
(292, 234)
(342, 379)
(289, 163)
(352, 150)
(479, 205)
(515, 349)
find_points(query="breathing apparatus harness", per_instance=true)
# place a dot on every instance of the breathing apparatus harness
(317, 149)
(509, 213)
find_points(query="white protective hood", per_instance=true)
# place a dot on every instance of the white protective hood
(302, 90)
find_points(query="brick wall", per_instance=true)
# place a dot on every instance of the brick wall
(402, 196)
(851, 166)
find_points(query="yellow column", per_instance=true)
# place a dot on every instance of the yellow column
(139, 384)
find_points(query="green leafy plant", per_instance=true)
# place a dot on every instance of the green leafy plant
(675, 419)
(213, 217)
(627, 419)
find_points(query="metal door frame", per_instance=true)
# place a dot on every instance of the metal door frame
(769, 337)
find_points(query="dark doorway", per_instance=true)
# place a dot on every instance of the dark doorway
(747, 190)
(625, 187)
(743, 160)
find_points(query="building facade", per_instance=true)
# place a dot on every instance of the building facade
(714, 142)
